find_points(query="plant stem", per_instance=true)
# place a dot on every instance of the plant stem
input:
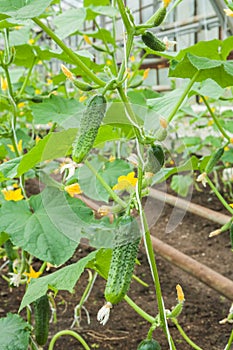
(230, 341)
(140, 311)
(72, 334)
(220, 128)
(27, 78)
(124, 16)
(105, 185)
(220, 197)
(69, 52)
(184, 335)
(181, 99)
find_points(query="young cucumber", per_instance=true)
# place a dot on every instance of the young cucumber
(42, 316)
(149, 344)
(89, 126)
(213, 160)
(155, 159)
(158, 17)
(123, 261)
(151, 41)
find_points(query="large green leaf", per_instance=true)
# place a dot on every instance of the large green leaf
(63, 279)
(69, 22)
(181, 184)
(50, 228)
(23, 9)
(93, 11)
(20, 37)
(207, 88)
(15, 332)
(87, 3)
(52, 146)
(66, 112)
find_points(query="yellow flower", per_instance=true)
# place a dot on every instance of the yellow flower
(32, 274)
(13, 195)
(231, 205)
(37, 91)
(228, 12)
(21, 104)
(4, 84)
(67, 72)
(19, 146)
(49, 81)
(166, 3)
(82, 98)
(73, 189)
(180, 293)
(226, 148)
(18, 27)
(111, 158)
(210, 122)
(37, 139)
(126, 182)
(108, 62)
(231, 140)
(132, 58)
(31, 41)
(145, 74)
(40, 62)
(87, 39)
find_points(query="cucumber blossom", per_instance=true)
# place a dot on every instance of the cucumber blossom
(42, 316)
(89, 126)
(151, 41)
(155, 159)
(158, 17)
(149, 344)
(123, 261)
(213, 160)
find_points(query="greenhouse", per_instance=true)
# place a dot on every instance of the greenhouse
(116, 168)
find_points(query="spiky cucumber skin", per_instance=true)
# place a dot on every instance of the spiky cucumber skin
(213, 160)
(121, 271)
(151, 41)
(42, 316)
(149, 344)
(158, 17)
(89, 126)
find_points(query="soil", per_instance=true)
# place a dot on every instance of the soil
(203, 308)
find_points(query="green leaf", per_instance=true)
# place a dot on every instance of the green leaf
(101, 34)
(228, 156)
(87, 3)
(63, 279)
(23, 9)
(190, 165)
(181, 184)
(207, 88)
(69, 22)
(8, 170)
(220, 71)
(66, 112)
(3, 237)
(52, 146)
(93, 11)
(15, 332)
(20, 37)
(101, 262)
(51, 228)
(108, 133)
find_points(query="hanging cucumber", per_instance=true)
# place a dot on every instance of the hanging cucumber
(155, 159)
(213, 160)
(151, 41)
(158, 17)
(123, 260)
(149, 344)
(42, 316)
(89, 126)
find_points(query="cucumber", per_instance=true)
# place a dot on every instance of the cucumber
(158, 17)
(213, 160)
(123, 260)
(151, 41)
(149, 344)
(11, 254)
(155, 159)
(42, 316)
(89, 126)
(81, 85)
(161, 134)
